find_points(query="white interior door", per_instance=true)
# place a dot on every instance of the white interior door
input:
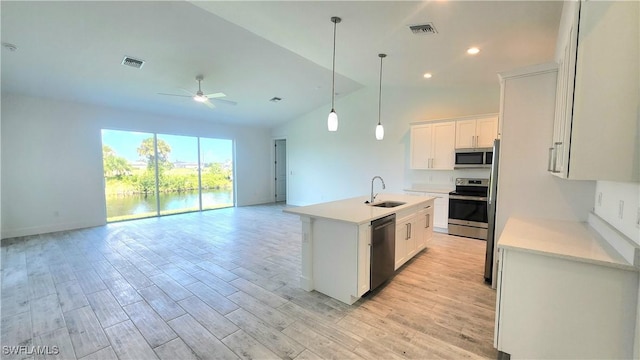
(281, 169)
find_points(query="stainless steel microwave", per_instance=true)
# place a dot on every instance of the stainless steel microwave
(473, 158)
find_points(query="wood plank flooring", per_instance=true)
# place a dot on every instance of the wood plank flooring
(224, 284)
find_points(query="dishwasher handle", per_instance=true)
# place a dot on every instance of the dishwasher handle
(383, 222)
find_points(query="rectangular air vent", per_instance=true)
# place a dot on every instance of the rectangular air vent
(423, 29)
(129, 61)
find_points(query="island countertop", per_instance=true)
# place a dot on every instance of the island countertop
(354, 210)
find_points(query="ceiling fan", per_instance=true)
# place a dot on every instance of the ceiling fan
(201, 97)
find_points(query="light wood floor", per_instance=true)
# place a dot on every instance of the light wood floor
(224, 284)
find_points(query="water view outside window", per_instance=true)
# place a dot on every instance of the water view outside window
(150, 175)
(217, 173)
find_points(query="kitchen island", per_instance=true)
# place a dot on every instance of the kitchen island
(336, 240)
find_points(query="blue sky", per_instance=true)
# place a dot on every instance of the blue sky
(183, 148)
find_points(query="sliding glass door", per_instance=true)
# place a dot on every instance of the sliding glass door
(157, 174)
(130, 177)
(217, 173)
(178, 174)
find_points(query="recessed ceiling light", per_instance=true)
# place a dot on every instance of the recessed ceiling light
(473, 50)
(427, 75)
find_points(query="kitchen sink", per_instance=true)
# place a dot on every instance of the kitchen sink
(389, 204)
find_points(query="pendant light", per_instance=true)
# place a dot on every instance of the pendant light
(379, 128)
(332, 120)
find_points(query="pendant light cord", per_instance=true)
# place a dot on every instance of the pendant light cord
(382, 56)
(333, 71)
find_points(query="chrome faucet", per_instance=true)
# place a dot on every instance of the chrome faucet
(373, 197)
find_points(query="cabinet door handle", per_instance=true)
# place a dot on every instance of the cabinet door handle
(550, 164)
(406, 235)
(428, 216)
(410, 228)
(555, 157)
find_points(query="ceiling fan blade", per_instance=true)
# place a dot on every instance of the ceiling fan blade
(175, 95)
(187, 92)
(228, 102)
(216, 95)
(209, 104)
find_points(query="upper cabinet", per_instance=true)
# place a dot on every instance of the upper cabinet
(433, 146)
(476, 133)
(596, 128)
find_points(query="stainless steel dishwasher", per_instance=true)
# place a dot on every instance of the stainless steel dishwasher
(383, 249)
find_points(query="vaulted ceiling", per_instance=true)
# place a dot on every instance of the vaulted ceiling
(256, 50)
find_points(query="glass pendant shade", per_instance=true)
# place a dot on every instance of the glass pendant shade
(379, 132)
(332, 121)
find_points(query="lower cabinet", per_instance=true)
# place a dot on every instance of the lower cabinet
(414, 227)
(556, 308)
(441, 212)
(440, 216)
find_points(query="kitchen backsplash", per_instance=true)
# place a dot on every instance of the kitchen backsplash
(618, 204)
(443, 177)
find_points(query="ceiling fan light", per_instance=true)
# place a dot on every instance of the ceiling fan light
(379, 132)
(200, 98)
(332, 121)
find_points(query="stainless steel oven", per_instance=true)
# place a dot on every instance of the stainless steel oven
(468, 215)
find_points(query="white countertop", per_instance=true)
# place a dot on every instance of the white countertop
(564, 239)
(354, 210)
(431, 188)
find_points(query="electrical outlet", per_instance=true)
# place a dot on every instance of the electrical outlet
(638, 218)
(621, 209)
(600, 198)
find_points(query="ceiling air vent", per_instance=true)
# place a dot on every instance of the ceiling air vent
(135, 63)
(423, 29)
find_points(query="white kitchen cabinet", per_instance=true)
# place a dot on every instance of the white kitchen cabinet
(597, 99)
(440, 216)
(441, 212)
(424, 226)
(476, 133)
(563, 293)
(405, 238)
(414, 228)
(432, 146)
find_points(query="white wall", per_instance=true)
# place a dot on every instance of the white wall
(525, 188)
(52, 177)
(326, 166)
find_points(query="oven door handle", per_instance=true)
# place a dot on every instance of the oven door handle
(463, 197)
